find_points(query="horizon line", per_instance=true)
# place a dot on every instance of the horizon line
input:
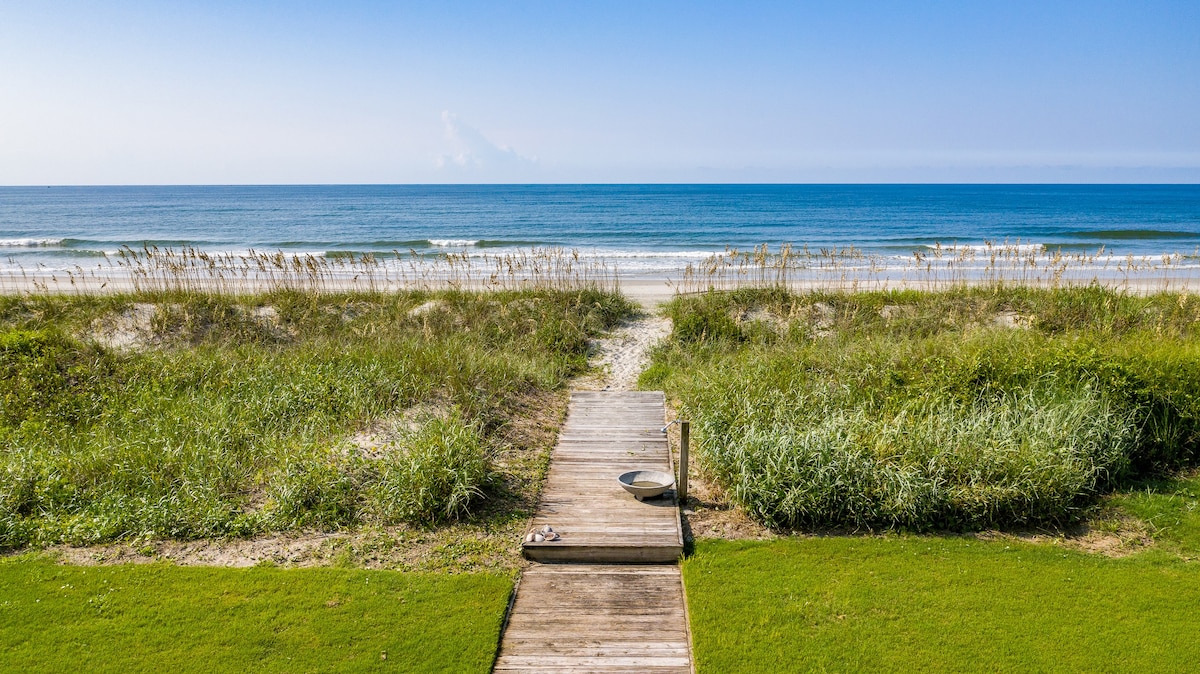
(618, 184)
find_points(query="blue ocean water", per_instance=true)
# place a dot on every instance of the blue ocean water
(643, 228)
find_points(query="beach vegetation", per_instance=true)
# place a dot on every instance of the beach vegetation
(191, 415)
(964, 409)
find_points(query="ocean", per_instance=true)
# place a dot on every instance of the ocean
(641, 230)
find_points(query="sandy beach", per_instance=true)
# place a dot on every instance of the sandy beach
(650, 293)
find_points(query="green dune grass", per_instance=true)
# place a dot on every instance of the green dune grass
(231, 416)
(963, 410)
(162, 618)
(903, 604)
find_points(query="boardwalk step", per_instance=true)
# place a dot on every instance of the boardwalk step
(581, 618)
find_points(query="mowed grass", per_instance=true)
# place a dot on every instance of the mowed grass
(162, 618)
(901, 604)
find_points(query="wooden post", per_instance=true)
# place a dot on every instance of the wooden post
(683, 461)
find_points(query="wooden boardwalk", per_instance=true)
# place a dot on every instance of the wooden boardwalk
(597, 618)
(608, 433)
(604, 605)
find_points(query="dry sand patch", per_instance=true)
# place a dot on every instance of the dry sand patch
(624, 354)
(130, 330)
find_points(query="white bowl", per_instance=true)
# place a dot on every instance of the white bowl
(645, 484)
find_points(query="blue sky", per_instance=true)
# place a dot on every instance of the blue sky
(375, 92)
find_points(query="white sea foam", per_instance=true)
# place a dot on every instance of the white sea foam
(29, 243)
(987, 248)
(601, 253)
(453, 243)
(635, 254)
(249, 253)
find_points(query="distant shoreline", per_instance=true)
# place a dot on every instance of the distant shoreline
(649, 292)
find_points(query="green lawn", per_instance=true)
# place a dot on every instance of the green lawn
(938, 604)
(161, 618)
(1171, 506)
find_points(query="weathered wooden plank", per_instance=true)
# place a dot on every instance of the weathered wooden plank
(562, 511)
(574, 532)
(634, 624)
(611, 409)
(628, 542)
(591, 669)
(600, 526)
(651, 586)
(632, 659)
(638, 573)
(598, 612)
(547, 626)
(605, 591)
(519, 638)
(579, 648)
(609, 554)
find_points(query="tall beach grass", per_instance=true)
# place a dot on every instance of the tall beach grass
(151, 269)
(936, 266)
(976, 407)
(185, 415)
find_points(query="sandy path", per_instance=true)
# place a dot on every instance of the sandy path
(623, 355)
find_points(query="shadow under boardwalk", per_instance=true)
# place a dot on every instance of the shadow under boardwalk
(590, 618)
(608, 433)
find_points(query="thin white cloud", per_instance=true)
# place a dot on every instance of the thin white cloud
(470, 149)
